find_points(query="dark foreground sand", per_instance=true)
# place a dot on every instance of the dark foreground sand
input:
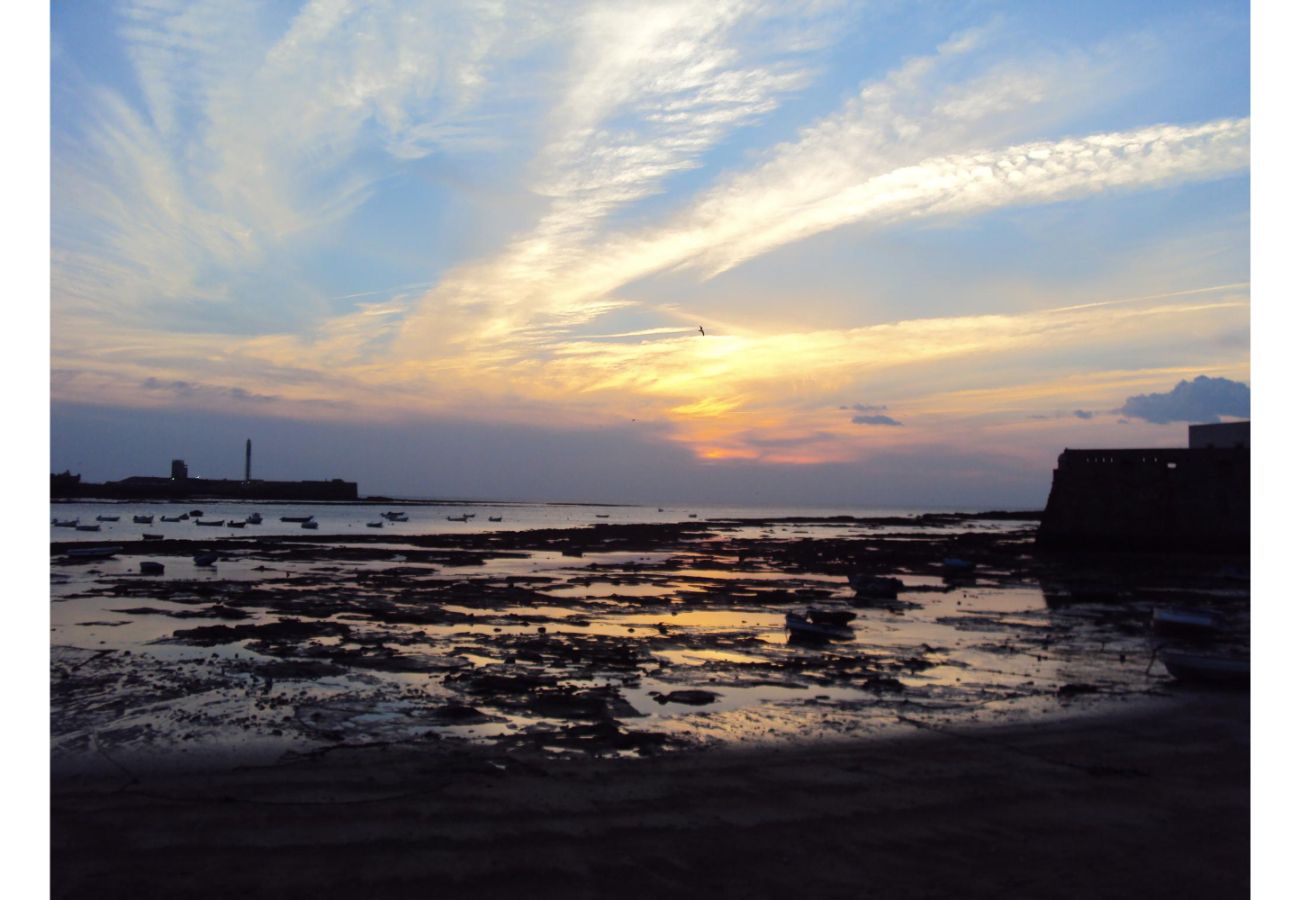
(1142, 803)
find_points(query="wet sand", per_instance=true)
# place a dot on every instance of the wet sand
(1150, 801)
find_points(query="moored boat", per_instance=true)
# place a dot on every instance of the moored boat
(1202, 669)
(211, 523)
(310, 523)
(179, 518)
(206, 558)
(298, 519)
(92, 552)
(107, 518)
(94, 527)
(235, 524)
(254, 519)
(838, 617)
(151, 537)
(1165, 620)
(494, 518)
(142, 520)
(800, 627)
(875, 586)
(374, 524)
(148, 567)
(195, 514)
(66, 523)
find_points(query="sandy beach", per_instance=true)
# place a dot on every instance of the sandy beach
(1151, 801)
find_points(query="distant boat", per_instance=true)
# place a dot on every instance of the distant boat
(195, 514)
(694, 516)
(494, 518)
(296, 518)
(1196, 668)
(151, 568)
(206, 558)
(310, 524)
(374, 524)
(213, 523)
(254, 519)
(233, 524)
(470, 515)
(602, 515)
(66, 523)
(151, 537)
(394, 516)
(174, 518)
(458, 518)
(800, 627)
(142, 520)
(92, 552)
(661, 509)
(107, 518)
(94, 527)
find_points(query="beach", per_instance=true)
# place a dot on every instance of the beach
(623, 707)
(1145, 802)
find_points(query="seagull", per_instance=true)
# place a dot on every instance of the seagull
(701, 331)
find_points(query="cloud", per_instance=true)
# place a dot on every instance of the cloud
(1081, 414)
(866, 408)
(1203, 399)
(875, 420)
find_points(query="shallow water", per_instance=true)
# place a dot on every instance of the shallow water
(399, 647)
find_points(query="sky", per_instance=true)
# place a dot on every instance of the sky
(468, 250)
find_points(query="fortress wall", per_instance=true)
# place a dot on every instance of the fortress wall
(1184, 499)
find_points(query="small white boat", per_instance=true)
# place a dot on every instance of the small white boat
(142, 520)
(92, 552)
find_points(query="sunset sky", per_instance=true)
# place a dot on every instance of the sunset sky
(466, 250)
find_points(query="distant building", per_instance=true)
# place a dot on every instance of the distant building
(1220, 434)
(1193, 498)
(181, 486)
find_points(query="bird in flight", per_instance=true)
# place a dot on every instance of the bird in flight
(701, 331)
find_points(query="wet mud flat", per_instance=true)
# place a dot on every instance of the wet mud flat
(609, 640)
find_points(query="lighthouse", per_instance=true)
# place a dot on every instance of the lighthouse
(248, 459)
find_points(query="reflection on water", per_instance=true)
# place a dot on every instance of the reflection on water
(360, 642)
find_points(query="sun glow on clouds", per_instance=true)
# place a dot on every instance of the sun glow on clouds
(252, 147)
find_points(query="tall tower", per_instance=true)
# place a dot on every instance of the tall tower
(248, 459)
